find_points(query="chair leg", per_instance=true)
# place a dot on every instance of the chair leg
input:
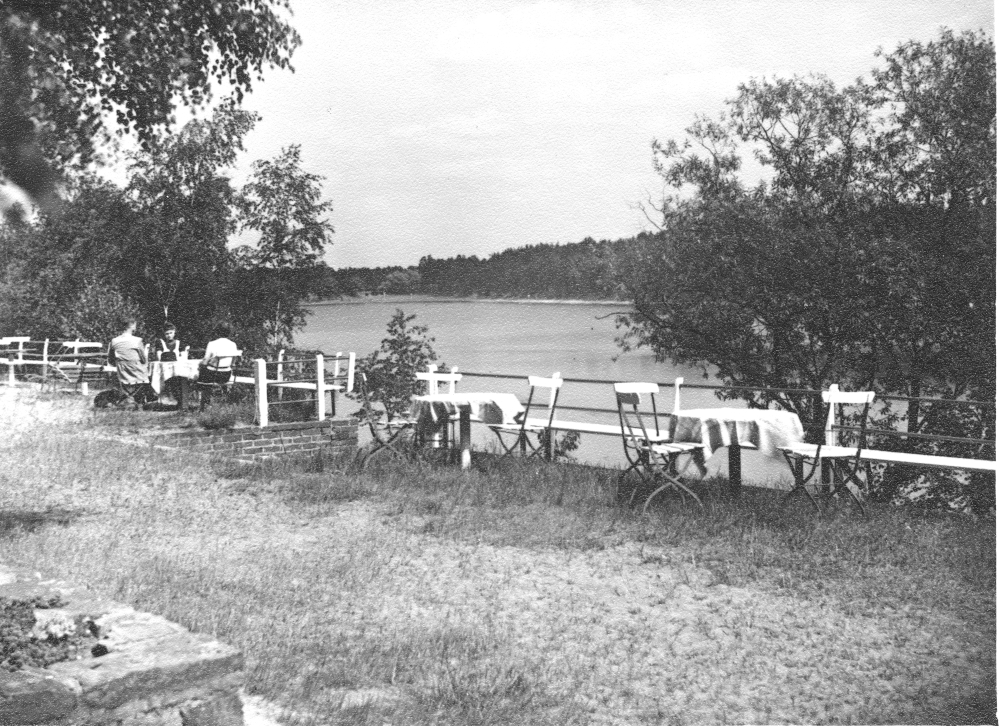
(672, 482)
(840, 482)
(800, 484)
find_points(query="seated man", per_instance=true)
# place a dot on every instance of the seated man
(216, 367)
(128, 354)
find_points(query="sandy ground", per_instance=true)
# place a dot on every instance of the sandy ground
(634, 636)
(626, 631)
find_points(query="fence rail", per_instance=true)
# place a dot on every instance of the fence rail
(679, 384)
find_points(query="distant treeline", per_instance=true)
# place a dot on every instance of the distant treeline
(577, 271)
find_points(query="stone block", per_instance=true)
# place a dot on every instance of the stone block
(223, 710)
(150, 667)
(34, 696)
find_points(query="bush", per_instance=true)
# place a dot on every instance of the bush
(391, 370)
(225, 416)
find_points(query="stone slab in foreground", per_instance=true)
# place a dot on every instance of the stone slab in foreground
(154, 673)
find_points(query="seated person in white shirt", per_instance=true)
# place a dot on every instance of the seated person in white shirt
(217, 364)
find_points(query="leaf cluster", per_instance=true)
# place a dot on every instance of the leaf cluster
(19, 648)
(67, 67)
(865, 254)
(391, 370)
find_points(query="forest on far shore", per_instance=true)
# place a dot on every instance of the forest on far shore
(576, 271)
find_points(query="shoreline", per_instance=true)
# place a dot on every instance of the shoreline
(383, 299)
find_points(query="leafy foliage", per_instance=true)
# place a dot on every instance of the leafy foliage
(391, 369)
(159, 249)
(866, 258)
(184, 204)
(67, 66)
(23, 644)
(282, 203)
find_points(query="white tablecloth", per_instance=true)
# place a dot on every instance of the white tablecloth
(162, 371)
(714, 428)
(432, 412)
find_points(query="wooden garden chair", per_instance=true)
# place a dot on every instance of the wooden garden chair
(523, 425)
(389, 433)
(435, 379)
(218, 364)
(650, 453)
(845, 460)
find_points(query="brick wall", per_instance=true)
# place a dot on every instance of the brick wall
(334, 436)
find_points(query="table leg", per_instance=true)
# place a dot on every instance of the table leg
(735, 469)
(465, 436)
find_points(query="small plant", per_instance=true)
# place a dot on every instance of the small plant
(392, 369)
(29, 641)
(223, 416)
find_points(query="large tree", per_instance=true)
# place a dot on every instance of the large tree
(867, 255)
(178, 260)
(74, 72)
(282, 203)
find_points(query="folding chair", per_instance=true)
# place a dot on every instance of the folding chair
(649, 451)
(217, 366)
(388, 432)
(522, 426)
(845, 460)
(434, 381)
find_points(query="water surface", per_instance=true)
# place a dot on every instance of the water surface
(521, 339)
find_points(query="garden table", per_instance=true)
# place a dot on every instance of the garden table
(162, 371)
(763, 429)
(433, 412)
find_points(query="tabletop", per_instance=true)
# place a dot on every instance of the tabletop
(161, 371)
(430, 412)
(766, 429)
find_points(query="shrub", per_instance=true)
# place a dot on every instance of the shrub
(391, 370)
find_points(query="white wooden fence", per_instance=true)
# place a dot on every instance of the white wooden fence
(340, 381)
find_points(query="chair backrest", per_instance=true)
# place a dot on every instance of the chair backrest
(836, 400)
(223, 362)
(553, 384)
(435, 380)
(639, 429)
(344, 374)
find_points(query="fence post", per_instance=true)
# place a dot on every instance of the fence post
(831, 419)
(45, 355)
(830, 438)
(280, 375)
(320, 388)
(336, 377)
(260, 390)
(351, 363)
(678, 382)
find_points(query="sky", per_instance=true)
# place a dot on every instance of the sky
(469, 127)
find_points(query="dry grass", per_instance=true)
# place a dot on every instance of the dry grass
(520, 594)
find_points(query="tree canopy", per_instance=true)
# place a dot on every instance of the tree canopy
(75, 72)
(157, 248)
(866, 255)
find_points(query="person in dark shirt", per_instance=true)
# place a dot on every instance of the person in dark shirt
(168, 347)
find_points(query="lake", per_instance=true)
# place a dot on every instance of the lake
(521, 339)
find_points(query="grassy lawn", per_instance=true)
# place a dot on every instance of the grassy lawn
(519, 594)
